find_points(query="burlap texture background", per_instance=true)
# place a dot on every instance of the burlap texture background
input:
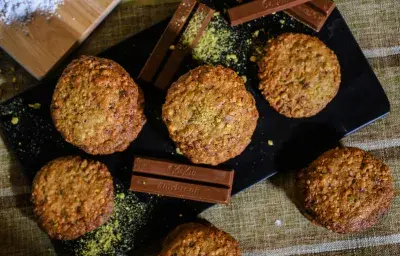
(263, 218)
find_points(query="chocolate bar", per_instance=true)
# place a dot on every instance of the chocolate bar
(259, 8)
(195, 28)
(169, 36)
(182, 190)
(188, 40)
(313, 14)
(191, 182)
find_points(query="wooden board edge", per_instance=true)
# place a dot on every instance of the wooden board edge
(96, 23)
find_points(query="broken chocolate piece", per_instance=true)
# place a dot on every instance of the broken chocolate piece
(313, 14)
(259, 8)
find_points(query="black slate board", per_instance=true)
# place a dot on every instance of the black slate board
(360, 101)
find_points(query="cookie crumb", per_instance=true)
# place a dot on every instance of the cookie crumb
(14, 120)
(35, 105)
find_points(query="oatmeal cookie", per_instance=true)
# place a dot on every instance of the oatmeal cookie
(210, 115)
(193, 239)
(72, 196)
(97, 106)
(299, 75)
(346, 190)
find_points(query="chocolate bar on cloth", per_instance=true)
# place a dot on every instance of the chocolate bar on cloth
(259, 8)
(191, 182)
(195, 21)
(313, 14)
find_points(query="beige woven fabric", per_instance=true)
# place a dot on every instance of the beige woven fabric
(263, 218)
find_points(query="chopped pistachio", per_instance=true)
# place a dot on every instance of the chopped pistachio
(14, 120)
(256, 33)
(35, 105)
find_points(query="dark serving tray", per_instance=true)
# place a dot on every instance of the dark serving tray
(360, 101)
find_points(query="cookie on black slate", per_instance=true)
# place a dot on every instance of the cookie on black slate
(299, 75)
(346, 190)
(210, 115)
(97, 106)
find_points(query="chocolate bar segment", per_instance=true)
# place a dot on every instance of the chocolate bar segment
(182, 171)
(259, 8)
(182, 190)
(169, 36)
(324, 6)
(189, 40)
(313, 14)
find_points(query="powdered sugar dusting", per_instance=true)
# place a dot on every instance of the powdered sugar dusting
(22, 10)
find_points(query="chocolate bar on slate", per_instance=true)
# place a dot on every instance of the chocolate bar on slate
(259, 8)
(191, 182)
(195, 26)
(313, 14)
(169, 36)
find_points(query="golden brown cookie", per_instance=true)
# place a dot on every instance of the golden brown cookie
(97, 106)
(346, 190)
(194, 239)
(299, 75)
(72, 196)
(210, 115)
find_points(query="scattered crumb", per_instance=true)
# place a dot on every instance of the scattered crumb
(222, 44)
(178, 151)
(232, 57)
(172, 47)
(270, 143)
(117, 235)
(253, 58)
(14, 79)
(244, 79)
(14, 120)
(35, 105)
(256, 33)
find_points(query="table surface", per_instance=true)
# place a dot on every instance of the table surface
(263, 218)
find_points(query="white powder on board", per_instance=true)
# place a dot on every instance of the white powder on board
(22, 10)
